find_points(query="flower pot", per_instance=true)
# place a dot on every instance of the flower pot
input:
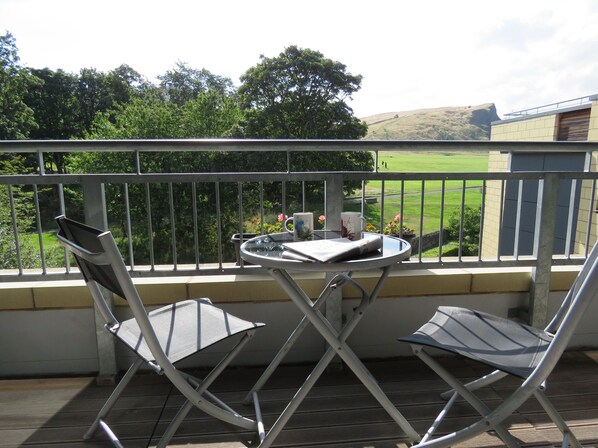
(237, 241)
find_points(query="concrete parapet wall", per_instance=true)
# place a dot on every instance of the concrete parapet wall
(48, 329)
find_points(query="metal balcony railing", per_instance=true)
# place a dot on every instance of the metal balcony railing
(174, 223)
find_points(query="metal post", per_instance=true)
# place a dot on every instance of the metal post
(543, 247)
(94, 201)
(334, 305)
(334, 207)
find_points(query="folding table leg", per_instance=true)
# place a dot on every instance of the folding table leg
(337, 281)
(337, 344)
(298, 398)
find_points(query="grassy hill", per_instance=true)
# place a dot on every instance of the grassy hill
(444, 123)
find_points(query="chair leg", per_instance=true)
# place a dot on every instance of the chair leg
(201, 389)
(484, 381)
(568, 437)
(469, 396)
(120, 387)
(430, 432)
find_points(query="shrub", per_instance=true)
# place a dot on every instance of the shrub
(470, 233)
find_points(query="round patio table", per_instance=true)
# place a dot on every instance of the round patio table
(268, 251)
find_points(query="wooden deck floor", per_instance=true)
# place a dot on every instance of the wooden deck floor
(338, 413)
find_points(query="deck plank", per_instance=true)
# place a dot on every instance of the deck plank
(338, 412)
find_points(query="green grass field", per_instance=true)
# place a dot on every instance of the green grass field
(412, 205)
(412, 199)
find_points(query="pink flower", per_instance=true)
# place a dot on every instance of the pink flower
(282, 217)
(397, 217)
(322, 219)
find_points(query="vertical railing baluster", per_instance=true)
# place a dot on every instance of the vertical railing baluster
(218, 223)
(402, 206)
(261, 186)
(195, 223)
(40, 162)
(150, 230)
(362, 210)
(382, 209)
(137, 163)
(172, 225)
(15, 229)
(421, 221)
(502, 201)
(240, 209)
(129, 231)
(303, 198)
(482, 223)
(67, 259)
(518, 219)
(38, 222)
(441, 223)
(240, 218)
(570, 217)
(462, 219)
(283, 189)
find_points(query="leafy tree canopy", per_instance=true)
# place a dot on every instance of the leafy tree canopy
(184, 83)
(16, 118)
(300, 94)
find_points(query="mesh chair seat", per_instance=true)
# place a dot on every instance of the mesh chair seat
(183, 329)
(497, 342)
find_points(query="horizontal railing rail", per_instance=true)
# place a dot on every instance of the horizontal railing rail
(94, 197)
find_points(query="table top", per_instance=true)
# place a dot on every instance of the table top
(266, 250)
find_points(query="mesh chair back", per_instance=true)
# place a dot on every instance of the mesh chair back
(86, 237)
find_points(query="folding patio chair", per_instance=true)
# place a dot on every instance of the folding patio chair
(513, 349)
(161, 337)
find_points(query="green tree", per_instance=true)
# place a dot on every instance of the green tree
(208, 114)
(183, 83)
(300, 94)
(21, 216)
(92, 95)
(16, 118)
(123, 84)
(54, 104)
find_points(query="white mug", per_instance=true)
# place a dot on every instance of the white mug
(303, 226)
(352, 225)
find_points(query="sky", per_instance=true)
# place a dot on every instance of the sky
(517, 54)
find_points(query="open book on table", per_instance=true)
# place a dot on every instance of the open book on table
(330, 250)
